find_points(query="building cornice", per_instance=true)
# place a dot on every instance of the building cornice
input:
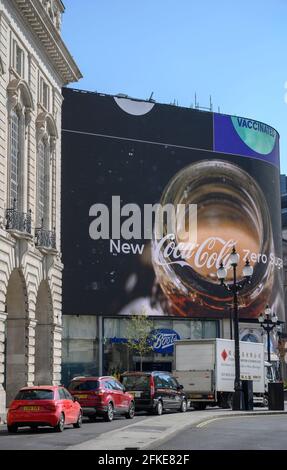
(35, 15)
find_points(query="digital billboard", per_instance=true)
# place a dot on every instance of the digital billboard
(122, 160)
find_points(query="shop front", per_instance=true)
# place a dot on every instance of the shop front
(117, 357)
(83, 337)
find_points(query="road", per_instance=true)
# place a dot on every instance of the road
(48, 439)
(194, 430)
(240, 433)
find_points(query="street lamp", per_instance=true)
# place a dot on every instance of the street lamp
(268, 321)
(235, 287)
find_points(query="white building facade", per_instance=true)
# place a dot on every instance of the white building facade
(34, 65)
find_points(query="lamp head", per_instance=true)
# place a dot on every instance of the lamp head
(247, 270)
(234, 257)
(267, 311)
(261, 318)
(221, 272)
(274, 318)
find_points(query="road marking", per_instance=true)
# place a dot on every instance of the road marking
(207, 422)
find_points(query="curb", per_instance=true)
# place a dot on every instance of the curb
(215, 416)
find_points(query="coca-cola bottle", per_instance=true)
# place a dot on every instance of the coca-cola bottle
(231, 211)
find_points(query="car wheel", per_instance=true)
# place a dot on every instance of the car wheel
(109, 414)
(183, 406)
(79, 422)
(13, 428)
(158, 409)
(130, 414)
(61, 424)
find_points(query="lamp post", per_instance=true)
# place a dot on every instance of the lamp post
(235, 287)
(268, 321)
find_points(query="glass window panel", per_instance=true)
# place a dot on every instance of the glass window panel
(157, 324)
(41, 183)
(111, 328)
(35, 394)
(195, 329)
(123, 325)
(81, 351)
(182, 328)
(209, 329)
(62, 395)
(45, 96)
(80, 327)
(19, 60)
(14, 159)
(117, 359)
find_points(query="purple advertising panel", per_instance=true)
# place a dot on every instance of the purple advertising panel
(242, 136)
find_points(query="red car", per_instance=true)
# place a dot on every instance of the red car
(102, 396)
(44, 406)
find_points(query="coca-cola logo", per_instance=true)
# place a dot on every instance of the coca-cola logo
(167, 251)
(206, 255)
(163, 340)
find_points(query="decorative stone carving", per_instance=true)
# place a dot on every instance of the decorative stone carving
(54, 12)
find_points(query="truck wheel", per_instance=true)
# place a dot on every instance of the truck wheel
(226, 401)
(265, 401)
(199, 406)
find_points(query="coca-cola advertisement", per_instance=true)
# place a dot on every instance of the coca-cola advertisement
(155, 197)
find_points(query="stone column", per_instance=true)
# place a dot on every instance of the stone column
(56, 353)
(3, 317)
(30, 351)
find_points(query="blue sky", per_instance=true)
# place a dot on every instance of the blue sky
(234, 51)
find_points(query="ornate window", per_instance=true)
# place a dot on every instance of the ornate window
(15, 163)
(20, 104)
(42, 184)
(18, 59)
(46, 137)
(44, 94)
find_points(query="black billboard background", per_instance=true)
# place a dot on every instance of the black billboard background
(97, 167)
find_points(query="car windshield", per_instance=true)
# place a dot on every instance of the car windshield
(87, 385)
(35, 395)
(136, 382)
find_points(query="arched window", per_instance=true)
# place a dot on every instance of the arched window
(45, 192)
(15, 168)
(43, 215)
(42, 184)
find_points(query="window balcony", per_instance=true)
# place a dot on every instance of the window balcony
(45, 239)
(17, 221)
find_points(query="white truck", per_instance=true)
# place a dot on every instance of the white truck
(206, 369)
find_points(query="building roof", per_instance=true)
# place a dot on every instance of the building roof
(36, 17)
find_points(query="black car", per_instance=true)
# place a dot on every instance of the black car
(155, 391)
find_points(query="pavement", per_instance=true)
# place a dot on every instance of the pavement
(154, 431)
